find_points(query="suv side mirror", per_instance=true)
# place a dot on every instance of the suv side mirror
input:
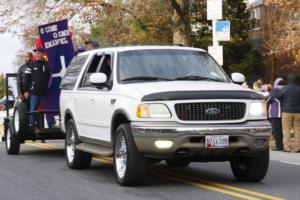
(98, 79)
(238, 78)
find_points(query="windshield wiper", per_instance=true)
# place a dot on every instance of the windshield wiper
(146, 78)
(197, 78)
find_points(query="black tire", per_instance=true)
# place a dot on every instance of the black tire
(135, 167)
(80, 159)
(251, 169)
(20, 119)
(12, 142)
(178, 162)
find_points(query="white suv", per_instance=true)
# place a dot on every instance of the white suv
(144, 104)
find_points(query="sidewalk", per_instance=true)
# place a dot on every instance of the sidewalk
(285, 157)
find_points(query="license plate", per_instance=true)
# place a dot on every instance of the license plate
(216, 141)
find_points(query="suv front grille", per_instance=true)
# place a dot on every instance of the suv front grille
(210, 111)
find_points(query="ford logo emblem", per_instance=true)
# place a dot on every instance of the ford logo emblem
(212, 111)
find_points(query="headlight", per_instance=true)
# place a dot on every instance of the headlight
(257, 110)
(153, 111)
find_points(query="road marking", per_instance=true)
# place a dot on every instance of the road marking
(35, 144)
(204, 186)
(292, 163)
(209, 185)
(195, 184)
(102, 160)
(43, 145)
(222, 185)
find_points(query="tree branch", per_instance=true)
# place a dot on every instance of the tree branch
(177, 8)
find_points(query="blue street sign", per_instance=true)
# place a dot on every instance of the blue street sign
(223, 30)
(223, 26)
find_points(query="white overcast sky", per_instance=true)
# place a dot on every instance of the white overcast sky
(9, 46)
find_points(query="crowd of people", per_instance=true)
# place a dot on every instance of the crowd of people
(283, 105)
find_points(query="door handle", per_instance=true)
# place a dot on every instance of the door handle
(92, 100)
(113, 101)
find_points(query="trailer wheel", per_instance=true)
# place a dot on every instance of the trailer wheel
(20, 118)
(12, 142)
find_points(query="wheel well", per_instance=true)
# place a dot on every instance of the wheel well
(117, 120)
(68, 116)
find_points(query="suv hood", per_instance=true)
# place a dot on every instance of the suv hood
(180, 90)
(171, 86)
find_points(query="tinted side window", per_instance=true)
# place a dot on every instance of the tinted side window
(92, 68)
(69, 80)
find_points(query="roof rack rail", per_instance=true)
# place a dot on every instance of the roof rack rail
(135, 44)
(140, 44)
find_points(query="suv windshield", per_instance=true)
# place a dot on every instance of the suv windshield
(168, 65)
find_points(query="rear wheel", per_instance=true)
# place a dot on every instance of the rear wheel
(75, 159)
(12, 142)
(183, 162)
(129, 163)
(251, 169)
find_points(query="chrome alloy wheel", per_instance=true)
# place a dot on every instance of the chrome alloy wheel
(121, 155)
(17, 121)
(8, 138)
(70, 144)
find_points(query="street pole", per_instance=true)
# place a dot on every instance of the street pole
(214, 13)
(215, 41)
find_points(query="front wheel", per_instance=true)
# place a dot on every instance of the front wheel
(129, 163)
(75, 159)
(12, 142)
(251, 169)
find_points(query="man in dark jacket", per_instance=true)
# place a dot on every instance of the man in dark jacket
(37, 79)
(289, 97)
(21, 81)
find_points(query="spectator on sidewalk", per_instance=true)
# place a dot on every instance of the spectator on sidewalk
(257, 86)
(266, 89)
(289, 97)
(274, 113)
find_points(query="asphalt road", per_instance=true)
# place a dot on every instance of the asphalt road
(39, 172)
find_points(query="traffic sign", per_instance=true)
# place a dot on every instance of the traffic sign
(223, 30)
(217, 53)
(214, 9)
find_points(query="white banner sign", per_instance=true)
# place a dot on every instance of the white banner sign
(217, 53)
(214, 9)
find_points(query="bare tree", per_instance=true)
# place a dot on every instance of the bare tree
(280, 32)
(182, 24)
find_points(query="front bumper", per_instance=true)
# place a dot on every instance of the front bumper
(189, 140)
